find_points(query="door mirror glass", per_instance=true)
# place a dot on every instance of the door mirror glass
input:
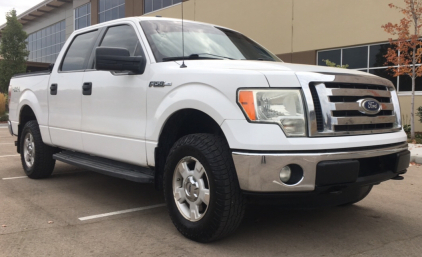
(119, 60)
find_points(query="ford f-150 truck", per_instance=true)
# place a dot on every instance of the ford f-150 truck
(216, 123)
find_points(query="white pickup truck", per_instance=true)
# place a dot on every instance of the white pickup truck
(216, 124)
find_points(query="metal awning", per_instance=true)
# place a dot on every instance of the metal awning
(38, 11)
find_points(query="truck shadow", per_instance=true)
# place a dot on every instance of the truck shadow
(328, 231)
(265, 230)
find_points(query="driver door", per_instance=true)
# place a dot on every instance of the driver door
(114, 112)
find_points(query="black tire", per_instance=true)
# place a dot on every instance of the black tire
(43, 162)
(361, 194)
(226, 204)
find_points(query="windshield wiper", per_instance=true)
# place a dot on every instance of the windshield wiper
(265, 59)
(195, 57)
(225, 57)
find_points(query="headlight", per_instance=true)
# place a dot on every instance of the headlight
(281, 106)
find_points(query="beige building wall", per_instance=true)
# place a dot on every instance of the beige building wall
(267, 21)
(294, 26)
(337, 23)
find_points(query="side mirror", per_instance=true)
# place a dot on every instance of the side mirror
(118, 59)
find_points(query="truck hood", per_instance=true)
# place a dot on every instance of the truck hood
(265, 66)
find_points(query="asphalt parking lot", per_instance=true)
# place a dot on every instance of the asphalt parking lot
(63, 216)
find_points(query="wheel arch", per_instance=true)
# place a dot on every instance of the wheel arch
(181, 123)
(26, 113)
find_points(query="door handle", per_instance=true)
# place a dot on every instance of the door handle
(53, 89)
(87, 88)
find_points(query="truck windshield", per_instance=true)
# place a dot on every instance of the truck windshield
(202, 41)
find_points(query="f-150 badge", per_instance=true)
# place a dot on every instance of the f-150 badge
(159, 84)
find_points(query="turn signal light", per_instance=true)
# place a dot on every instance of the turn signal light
(246, 100)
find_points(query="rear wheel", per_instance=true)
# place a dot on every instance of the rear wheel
(201, 188)
(37, 157)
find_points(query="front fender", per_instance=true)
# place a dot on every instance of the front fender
(202, 97)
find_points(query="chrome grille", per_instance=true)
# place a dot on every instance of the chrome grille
(334, 109)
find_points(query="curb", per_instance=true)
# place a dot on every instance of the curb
(415, 153)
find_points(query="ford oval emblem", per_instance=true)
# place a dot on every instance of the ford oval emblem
(369, 106)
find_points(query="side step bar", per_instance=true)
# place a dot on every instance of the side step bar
(107, 167)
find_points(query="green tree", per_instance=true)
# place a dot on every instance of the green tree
(406, 50)
(333, 64)
(12, 49)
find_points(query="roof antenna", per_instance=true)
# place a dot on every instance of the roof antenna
(183, 42)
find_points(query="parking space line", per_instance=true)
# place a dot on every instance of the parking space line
(4, 156)
(7, 143)
(15, 177)
(121, 212)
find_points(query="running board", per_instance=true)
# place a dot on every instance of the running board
(107, 167)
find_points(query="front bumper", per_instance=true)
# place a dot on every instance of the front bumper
(259, 172)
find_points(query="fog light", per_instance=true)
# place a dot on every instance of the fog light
(285, 174)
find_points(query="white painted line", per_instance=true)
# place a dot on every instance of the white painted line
(14, 178)
(4, 156)
(52, 175)
(7, 143)
(121, 212)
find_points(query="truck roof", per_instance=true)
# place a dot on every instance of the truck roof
(143, 18)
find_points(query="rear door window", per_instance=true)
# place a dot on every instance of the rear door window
(79, 52)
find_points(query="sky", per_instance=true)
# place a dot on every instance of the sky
(19, 5)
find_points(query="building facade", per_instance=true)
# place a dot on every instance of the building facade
(298, 31)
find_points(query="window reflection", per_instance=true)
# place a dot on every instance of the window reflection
(355, 57)
(79, 52)
(385, 73)
(376, 55)
(333, 56)
(406, 83)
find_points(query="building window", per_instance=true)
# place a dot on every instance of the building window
(154, 5)
(111, 10)
(368, 58)
(45, 45)
(83, 16)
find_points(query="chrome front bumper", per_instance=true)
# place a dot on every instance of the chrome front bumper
(9, 125)
(259, 172)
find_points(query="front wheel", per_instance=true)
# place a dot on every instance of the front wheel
(37, 157)
(201, 188)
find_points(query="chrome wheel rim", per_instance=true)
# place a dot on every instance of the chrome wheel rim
(29, 150)
(191, 189)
